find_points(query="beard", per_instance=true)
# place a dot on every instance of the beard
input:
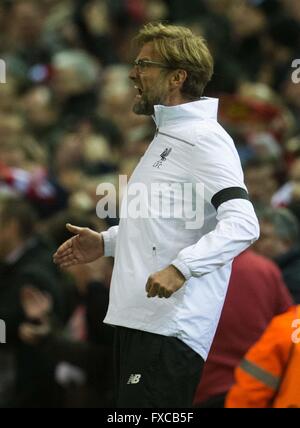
(145, 105)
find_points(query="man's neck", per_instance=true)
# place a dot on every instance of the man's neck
(176, 99)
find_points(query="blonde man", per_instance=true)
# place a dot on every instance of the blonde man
(171, 272)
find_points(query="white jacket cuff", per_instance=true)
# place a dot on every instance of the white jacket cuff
(109, 240)
(183, 268)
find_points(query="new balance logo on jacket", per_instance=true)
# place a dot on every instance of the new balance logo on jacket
(133, 379)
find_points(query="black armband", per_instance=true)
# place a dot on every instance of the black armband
(225, 195)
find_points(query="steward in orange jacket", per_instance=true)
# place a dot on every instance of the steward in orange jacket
(269, 375)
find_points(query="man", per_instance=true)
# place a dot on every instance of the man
(256, 172)
(280, 241)
(25, 259)
(83, 344)
(170, 280)
(256, 294)
(268, 376)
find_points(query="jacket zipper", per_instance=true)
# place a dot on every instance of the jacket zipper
(174, 138)
(154, 257)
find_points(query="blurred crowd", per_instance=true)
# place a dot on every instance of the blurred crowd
(66, 125)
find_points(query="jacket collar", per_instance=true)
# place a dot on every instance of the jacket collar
(205, 108)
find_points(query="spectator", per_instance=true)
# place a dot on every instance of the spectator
(256, 294)
(269, 374)
(84, 344)
(258, 172)
(75, 74)
(25, 260)
(279, 240)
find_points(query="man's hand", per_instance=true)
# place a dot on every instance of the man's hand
(165, 282)
(86, 247)
(36, 304)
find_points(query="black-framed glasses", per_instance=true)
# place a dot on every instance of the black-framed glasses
(143, 64)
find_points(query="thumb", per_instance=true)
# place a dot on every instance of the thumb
(74, 229)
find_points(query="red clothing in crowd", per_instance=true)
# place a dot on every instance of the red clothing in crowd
(255, 295)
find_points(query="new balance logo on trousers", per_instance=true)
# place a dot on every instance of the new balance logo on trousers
(133, 379)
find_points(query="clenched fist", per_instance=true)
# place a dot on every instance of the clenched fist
(165, 282)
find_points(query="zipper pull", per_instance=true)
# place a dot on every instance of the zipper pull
(154, 258)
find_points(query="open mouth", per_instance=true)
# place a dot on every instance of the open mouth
(139, 91)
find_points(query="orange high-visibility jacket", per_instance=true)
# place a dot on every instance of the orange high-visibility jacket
(269, 375)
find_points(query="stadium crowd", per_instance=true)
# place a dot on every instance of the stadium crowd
(66, 126)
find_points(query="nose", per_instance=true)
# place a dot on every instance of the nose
(132, 74)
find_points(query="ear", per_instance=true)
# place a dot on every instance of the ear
(178, 78)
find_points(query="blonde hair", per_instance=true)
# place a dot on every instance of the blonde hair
(180, 48)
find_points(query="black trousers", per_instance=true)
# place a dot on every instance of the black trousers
(154, 371)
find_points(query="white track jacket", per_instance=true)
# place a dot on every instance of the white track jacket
(189, 147)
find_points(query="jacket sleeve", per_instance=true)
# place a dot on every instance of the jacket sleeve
(258, 377)
(216, 165)
(110, 239)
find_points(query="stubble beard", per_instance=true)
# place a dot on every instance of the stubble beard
(145, 106)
